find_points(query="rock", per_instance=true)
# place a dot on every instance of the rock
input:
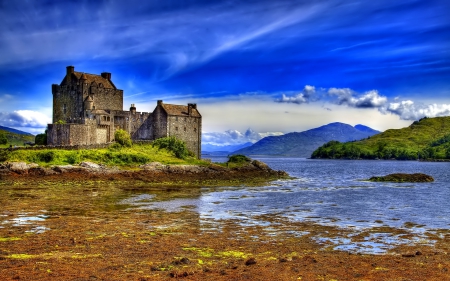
(399, 177)
(63, 168)
(90, 165)
(216, 167)
(261, 165)
(250, 261)
(18, 167)
(153, 166)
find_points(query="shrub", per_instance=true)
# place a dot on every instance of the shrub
(178, 147)
(46, 156)
(41, 139)
(123, 138)
(3, 138)
(238, 159)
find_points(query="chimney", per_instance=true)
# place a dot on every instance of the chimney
(106, 75)
(133, 109)
(191, 106)
(69, 71)
(159, 102)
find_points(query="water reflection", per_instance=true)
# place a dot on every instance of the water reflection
(331, 193)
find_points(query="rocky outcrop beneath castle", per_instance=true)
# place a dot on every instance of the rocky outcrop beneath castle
(152, 172)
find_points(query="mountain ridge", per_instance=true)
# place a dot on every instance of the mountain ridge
(302, 144)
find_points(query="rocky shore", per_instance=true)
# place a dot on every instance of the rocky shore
(154, 172)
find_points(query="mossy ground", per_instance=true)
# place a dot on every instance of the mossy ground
(90, 236)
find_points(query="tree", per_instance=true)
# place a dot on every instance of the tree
(3, 138)
(41, 139)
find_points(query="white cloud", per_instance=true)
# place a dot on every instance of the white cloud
(24, 119)
(305, 96)
(409, 110)
(231, 137)
(370, 99)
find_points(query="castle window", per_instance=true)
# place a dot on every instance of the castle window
(64, 108)
(195, 130)
(176, 128)
(176, 118)
(185, 129)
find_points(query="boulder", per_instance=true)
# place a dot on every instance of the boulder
(261, 165)
(18, 167)
(90, 165)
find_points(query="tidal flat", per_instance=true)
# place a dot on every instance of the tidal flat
(132, 230)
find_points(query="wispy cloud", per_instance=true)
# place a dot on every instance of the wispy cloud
(174, 39)
(370, 99)
(24, 119)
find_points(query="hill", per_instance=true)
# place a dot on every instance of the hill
(304, 143)
(15, 137)
(11, 130)
(428, 138)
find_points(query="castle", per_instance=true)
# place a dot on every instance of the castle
(88, 108)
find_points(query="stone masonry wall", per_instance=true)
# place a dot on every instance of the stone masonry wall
(187, 129)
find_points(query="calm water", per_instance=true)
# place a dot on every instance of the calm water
(333, 192)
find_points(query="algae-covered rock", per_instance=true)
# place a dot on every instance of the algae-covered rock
(399, 177)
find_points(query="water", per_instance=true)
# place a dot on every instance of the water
(334, 192)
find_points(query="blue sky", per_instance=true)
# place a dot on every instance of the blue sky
(269, 66)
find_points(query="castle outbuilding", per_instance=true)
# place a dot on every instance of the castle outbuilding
(88, 108)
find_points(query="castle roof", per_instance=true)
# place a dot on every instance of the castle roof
(179, 110)
(90, 78)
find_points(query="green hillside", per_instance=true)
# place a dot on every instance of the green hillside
(15, 139)
(428, 138)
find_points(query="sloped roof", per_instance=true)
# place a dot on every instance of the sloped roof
(99, 112)
(95, 78)
(179, 110)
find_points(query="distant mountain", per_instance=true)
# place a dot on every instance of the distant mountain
(304, 143)
(223, 149)
(11, 130)
(426, 139)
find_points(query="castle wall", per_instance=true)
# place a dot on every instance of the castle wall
(142, 127)
(67, 103)
(77, 134)
(187, 129)
(107, 99)
(159, 125)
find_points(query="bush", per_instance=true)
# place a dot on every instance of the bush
(3, 138)
(178, 147)
(46, 156)
(123, 138)
(239, 159)
(41, 139)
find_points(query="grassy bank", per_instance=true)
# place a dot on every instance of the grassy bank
(115, 155)
(426, 139)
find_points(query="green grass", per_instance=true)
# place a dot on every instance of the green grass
(428, 138)
(115, 155)
(16, 139)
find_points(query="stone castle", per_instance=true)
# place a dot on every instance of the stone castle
(88, 108)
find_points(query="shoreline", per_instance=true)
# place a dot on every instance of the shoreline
(252, 173)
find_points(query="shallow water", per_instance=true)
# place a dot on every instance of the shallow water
(335, 193)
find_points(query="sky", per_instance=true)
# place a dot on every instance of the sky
(254, 68)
